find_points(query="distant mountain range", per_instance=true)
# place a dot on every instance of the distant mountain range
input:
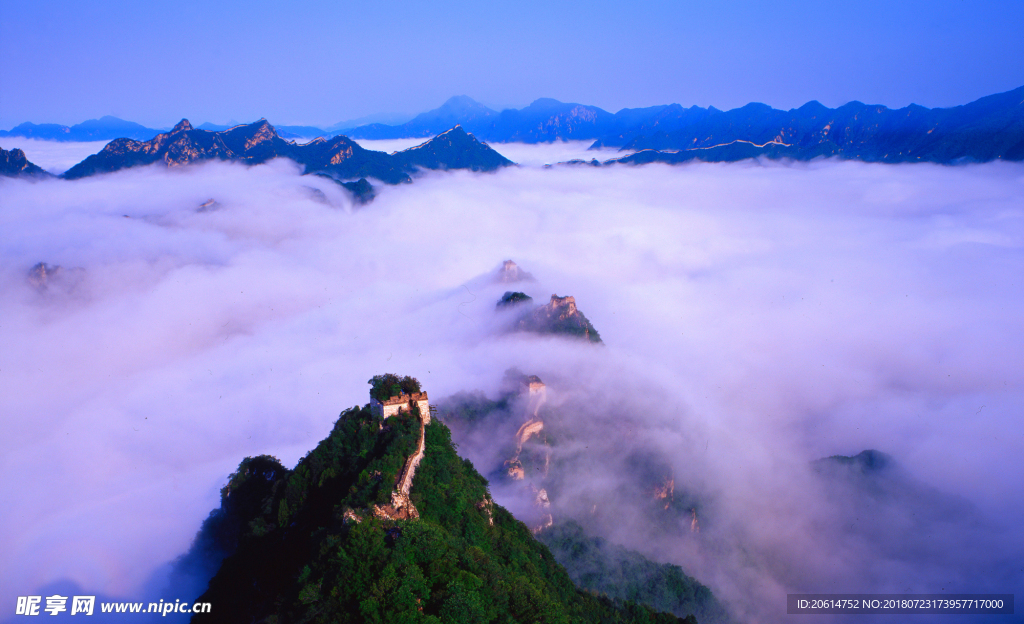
(991, 128)
(102, 129)
(285, 132)
(256, 143)
(339, 158)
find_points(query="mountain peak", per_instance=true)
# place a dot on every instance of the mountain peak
(458, 109)
(512, 272)
(263, 126)
(15, 163)
(543, 104)
(453, 149)
(559, 316)
(813, 107)
(461, 102)
(181, 126)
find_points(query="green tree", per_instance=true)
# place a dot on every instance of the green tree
(383, 387)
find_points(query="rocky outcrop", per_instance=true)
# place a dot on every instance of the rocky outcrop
(53, 278)
(486, 505)
(42, 275)
(208, 206)
(559, 316)
(543, 504)
(511, 299)
(665, 491)
(512, 272)
(251, 144)
(339, 157)
(14, 163)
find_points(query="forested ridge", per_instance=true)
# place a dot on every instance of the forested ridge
(307, 545)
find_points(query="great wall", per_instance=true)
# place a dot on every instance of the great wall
(401, 507)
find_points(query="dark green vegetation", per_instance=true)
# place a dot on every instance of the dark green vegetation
(383, 387)
(513, 298)
(307, 547)
(257, 143)
(596, 565)
(14, 163)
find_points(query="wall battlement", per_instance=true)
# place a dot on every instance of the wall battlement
(401, 403)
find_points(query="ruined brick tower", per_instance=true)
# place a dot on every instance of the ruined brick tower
(400, 403)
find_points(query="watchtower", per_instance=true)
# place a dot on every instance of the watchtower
(402, 402)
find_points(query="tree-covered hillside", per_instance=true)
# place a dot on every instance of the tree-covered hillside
(597, 565)
(317, 543)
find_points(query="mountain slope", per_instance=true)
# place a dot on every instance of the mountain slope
(559, 316)
(597, 565)
(454, 149)
(319, 543)
(14, 163)
(548, 120)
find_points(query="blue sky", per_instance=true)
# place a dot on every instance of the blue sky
(321, 62)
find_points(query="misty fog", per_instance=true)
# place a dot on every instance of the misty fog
(53, 156)
(756, 317)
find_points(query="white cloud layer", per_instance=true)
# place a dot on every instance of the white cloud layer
(769, 314)
(53, 156)
(390, 145)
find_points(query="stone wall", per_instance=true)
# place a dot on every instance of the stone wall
(400, 403)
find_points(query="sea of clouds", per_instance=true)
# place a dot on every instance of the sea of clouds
(758, 316)
(53, 156)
